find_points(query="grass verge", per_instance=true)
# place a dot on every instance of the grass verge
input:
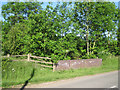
(18, 72)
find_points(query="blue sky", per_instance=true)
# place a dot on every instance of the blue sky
(2, 2)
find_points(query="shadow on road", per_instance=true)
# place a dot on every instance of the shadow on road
(26, 82)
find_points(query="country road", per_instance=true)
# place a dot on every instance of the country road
(104, 80)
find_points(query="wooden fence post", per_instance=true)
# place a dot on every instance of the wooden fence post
(29, 57)
(54, 67)
(8, 55)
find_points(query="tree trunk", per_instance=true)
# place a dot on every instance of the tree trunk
(93, 47)
(108, 39)
(87, 41)
(90, 47)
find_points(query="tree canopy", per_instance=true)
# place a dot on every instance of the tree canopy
(69, 30)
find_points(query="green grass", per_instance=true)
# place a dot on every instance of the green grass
(18, 72)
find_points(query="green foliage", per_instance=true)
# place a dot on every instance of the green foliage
(16, 39)
(12, 14)
(4, 63)
(62, 32)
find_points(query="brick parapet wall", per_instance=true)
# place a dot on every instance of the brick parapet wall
(75, 64)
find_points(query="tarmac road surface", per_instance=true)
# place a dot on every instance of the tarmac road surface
(104, 80)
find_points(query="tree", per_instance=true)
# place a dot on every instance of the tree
(67, 31)
(95, 18)
(118, 31)
(15, 12)
(17, 39)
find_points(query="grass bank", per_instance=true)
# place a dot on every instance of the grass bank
(18, 72)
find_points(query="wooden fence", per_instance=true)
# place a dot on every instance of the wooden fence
(62, 64)
(30, 60)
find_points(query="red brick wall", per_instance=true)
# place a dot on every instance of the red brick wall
(75, 64)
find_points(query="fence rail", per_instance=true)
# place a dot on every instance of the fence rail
(40, 57)
(46, 66)
(30, 60)
(18, 55)
(42, 62)
(29, 55)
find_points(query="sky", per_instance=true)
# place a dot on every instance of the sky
(54, 0)
(2, 2)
